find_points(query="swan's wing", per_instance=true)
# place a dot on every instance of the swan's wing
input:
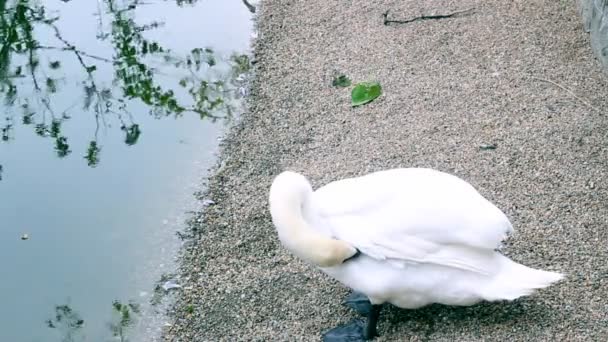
(403, 249)
(414, 215)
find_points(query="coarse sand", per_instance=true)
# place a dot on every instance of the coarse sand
(518, 75)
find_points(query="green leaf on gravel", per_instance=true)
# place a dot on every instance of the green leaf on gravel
(365, 92)
(341, 81)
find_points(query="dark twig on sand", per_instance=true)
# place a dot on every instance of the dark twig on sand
(388, 21)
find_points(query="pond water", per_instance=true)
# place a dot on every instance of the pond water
(107, 122)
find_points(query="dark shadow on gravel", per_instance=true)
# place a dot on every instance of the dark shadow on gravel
(425, 321)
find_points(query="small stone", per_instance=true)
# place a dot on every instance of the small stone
(170, 285)
(208, 202)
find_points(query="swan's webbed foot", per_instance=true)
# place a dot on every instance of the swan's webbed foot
(358, 302)
(356, 330)
(351, 332)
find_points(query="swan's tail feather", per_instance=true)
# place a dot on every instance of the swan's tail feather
(516, 280)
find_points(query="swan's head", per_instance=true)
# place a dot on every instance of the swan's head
(289, 194)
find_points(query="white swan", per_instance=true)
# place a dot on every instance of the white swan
(409, 237)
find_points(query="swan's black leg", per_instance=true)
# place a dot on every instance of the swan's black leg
(356, 330)
(359, 302)
(372, 322)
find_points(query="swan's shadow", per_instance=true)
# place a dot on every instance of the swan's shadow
(523, 312)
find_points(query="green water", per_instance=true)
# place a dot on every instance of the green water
(106, 114)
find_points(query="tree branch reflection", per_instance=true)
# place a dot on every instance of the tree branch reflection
(29, 87)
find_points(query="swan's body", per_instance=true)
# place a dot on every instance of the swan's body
(424, 237)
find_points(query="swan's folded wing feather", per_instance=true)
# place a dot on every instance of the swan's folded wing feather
(403, 250)
(440, 220)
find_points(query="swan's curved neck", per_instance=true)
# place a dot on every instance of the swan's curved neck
(289, 194)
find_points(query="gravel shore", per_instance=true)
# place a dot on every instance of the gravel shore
(519, 75)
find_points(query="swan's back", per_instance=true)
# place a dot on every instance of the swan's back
(422, 203)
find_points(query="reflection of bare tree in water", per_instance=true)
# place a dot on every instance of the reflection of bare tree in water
(69, 323)
(134, 79)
